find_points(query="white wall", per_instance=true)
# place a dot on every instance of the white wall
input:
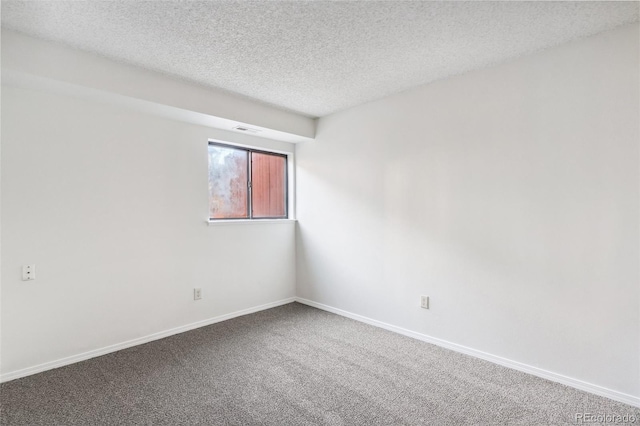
(111, 206)
(509, 195)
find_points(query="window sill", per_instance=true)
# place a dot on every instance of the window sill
(223, 222)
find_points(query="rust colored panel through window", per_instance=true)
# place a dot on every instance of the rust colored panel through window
(268, 185)
(228, 177)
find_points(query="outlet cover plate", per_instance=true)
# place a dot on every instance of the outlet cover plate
(424, 302)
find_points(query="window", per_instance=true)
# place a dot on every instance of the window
(246, 183)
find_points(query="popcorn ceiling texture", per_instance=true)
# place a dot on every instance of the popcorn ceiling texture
(313, 57)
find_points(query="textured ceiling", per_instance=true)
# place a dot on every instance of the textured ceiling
(313, 57)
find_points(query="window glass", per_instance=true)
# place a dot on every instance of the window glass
(268, 185)
(228, 177)
(246, 183)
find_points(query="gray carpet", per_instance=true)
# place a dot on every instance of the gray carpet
(292, 365)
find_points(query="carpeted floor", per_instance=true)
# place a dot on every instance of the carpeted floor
(292, 365)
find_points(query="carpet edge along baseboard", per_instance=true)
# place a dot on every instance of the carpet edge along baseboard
(72, 359)
(525, 368)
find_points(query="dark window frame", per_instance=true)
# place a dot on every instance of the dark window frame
(249, 151)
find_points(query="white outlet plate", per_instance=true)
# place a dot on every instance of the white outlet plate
(197, 293)
(424, 302)
(28, 272)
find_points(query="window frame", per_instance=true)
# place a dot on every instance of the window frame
(249, 150)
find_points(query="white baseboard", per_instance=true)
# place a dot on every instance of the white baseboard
(549, 375)
(134, 342)
(555, 377)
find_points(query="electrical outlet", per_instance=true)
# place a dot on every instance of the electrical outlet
(197, 293)
(424, 302)
(28, 272)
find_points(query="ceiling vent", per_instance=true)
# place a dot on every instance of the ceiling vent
(246, 129)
